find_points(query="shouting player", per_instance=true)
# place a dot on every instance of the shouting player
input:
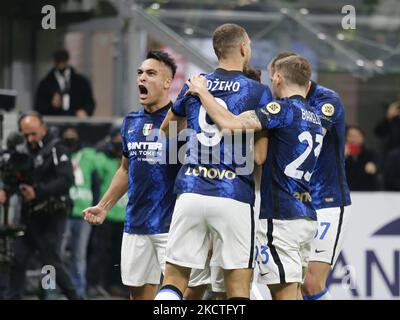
(149, 182)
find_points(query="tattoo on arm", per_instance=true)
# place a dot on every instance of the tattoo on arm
(249, 120)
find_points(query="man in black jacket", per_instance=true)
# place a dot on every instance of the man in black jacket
(389, 128)
(63, 91)
(45, 207)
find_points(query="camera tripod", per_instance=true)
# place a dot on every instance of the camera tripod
(7, 231)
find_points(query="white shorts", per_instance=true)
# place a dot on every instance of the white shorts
(142, 258)
(199, 218)
(143, 261)
(209, 275)
(328, 242)
(213, 276)
(283, 248)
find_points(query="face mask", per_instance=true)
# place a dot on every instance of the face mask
(116, 148)
(354, 149)
(72, 144)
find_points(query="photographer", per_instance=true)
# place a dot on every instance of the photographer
(45, 206)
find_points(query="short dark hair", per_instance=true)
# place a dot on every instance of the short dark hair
(60, 55)
(355, 127)
(163, 57)
(69, 126)
(295, 69)
(114, 131)
(226, 37)
(252, 73)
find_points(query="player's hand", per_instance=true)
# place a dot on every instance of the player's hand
(28, 192)
(197, 84)
(56, 101)
(81, 114)
(346, 150)
(95, 215)
(370, 168)
(393, 111)
(3, 197)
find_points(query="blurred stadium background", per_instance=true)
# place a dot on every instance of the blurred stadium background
(107, 41)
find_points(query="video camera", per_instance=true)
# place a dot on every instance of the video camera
(14, 166)
(15, 163)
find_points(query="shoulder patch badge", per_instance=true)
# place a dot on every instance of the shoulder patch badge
(273, 107)
(328, 109)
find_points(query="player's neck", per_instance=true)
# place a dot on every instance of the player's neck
(231, 65)
(293, 91)
(157, 106)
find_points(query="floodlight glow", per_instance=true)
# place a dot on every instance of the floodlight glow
(304, 11)
(189, 31)
(340, 36)
(360, 63)
(155, 6)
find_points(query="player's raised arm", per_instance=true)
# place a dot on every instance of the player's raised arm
(119, 186)
(170, 118)
(224, 119)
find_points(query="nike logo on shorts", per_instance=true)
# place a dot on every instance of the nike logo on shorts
(319, 251)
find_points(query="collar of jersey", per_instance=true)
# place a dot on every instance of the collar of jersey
(312, 89)
(165, 108)
(228, 72)
(298, 97)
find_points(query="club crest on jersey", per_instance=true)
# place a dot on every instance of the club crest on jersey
(273, 107)
(147, 128)
(328, 109)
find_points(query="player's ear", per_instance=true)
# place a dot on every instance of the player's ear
(167, 83)
(44, 127)
(243, 49)
(280, 79)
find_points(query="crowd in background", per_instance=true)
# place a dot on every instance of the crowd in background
(96, 249)
(367, 169)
